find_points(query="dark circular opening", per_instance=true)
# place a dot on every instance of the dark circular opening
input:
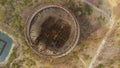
(54, 33)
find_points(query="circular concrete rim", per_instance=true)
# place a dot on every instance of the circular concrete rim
(27, 29)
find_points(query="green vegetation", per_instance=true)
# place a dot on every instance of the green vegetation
(118, 43)
(4, 2)
(72, 6)
(12, 57)
(100, 66)
(48, 1)
(101, 19)
(30, 62)
(117, 62)
(11, 14)
(84, 9)
(15, 65)
(113, 62)
(88, 9)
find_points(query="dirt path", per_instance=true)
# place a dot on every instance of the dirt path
(102, 44)
(84, 64)
(98, 9)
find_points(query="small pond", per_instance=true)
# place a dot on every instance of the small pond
(5, 46)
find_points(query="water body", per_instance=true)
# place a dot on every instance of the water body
(5, 46)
